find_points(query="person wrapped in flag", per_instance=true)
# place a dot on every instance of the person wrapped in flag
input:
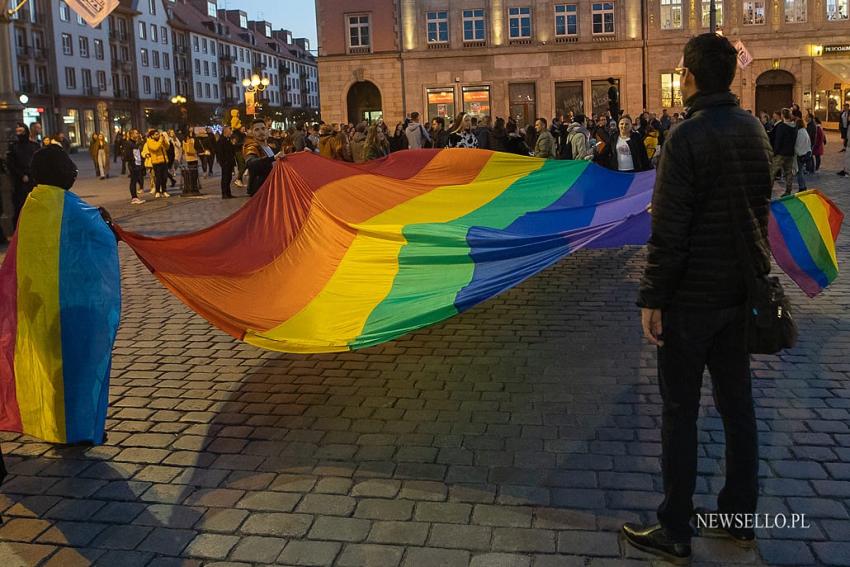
(60, 304)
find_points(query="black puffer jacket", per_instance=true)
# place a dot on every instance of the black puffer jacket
(693, 260)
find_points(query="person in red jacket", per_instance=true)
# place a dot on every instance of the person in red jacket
(818, 144)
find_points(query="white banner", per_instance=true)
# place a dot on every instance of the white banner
(744, 57)
(93, 11)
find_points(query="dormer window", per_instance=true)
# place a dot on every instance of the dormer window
(211, 9)
(243, 21)
(268, 30)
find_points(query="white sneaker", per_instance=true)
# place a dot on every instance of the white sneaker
(137, 201)
(156, 195)
(165, 194)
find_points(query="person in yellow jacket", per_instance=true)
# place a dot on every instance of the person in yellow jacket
(650, 142)
(156, 147)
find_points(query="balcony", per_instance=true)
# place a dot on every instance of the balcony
(181, 49)
(225, 58)
(438, 45)
(117, 35)
(363, 50)
(89, 91)
(27, 87)
(230, 79)
(22, 50)
(123, 94)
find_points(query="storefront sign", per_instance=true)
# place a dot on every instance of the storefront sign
(68, 119)
(744, 57)
(93, 11)
(441, 97)
(836, 49)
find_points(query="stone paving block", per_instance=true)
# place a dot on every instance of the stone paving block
(25, 553)
(785, 552)
(531, 540)
(167, 541)
(326, 504)
(179, 517)
(515, 516)
(460, 536)
(377, 488)
(23, 529)
(318, 553)
(125, 558)
(211, 546)
(124, 537)
(818, 508)
(833, 552)
(380, 509)
(72, 557)
(340, 529)
(256, 549)
(221, 520)
(427, 557)
(399, 533)
(369, 555)
(500, 560)
(449, 512)
(570, 561)
(269, 501)
(281, 525)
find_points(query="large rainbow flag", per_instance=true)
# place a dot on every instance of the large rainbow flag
(60, 303)
(802, 230)
(332, 256)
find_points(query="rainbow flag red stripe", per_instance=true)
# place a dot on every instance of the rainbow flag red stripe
(803, 229)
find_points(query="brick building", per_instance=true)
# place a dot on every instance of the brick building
(534, 57)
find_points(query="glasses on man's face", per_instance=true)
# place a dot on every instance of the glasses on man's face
(681, 71)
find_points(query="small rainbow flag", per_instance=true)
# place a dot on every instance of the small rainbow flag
(802, 232)
(333, 256)
(60, 303)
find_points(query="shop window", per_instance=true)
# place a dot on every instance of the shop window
(599, 96)
(569, 97)
(441, 102)
(795, 11)
(523, 103)
(671, 90)
(671, 14)
(476, 100)
(828, 105)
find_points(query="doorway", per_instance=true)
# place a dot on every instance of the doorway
(774, 91)
(364, 102)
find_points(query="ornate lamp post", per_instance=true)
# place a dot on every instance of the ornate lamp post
(10, 113)
(257, 85)
(180, 100)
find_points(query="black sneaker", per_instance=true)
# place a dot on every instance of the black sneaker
(743, 537)
(653, 539)
(842, 173)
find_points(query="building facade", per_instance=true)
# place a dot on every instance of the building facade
(528, 58)
(85, 80)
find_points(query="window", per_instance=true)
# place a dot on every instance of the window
(243, 21)
(600, 96)
(795, 11)
(146, 84)
(152, 7)
(128, 86)
(143, 30)
(671, 14)
(523, 102)
(70, 77)
(157, 86)
(125, 53)
(155, 58)
(441, 102)
(84, 46)
(154, 34)
(195, 44)
(569, 96)
(566, 19)
(144, 56)
(163, 34)
(101, 81)
(64, 13)
(198, 88)
(86, 74)
(671, 93)
(207, 90)
(358, 31)
(204, 45)
(167, 86)
(80, 20)
(98, 49)
(211, 9)
(206, 68)
(166, 60)
(836, 10)
(519, 23)
(67, 44)
(476, 100)
(706, 12)
(603, 18)
(215, 70)
(215, 91)
(438, 27)
(753, 12)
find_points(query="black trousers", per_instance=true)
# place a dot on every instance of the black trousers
(137, 179)
(692, 341)
(20, 192)
(160, 174)
(226, 178)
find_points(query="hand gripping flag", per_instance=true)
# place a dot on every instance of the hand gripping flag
(59, 311)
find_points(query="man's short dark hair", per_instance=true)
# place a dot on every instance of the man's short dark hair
(611, 80)
(441, 121)
(414, 116)
(257, 121)
(580, 118)
(543, 120)
(712, 60)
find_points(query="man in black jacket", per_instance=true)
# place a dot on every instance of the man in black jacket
(18, 160)
(784, 140)
(709, 219)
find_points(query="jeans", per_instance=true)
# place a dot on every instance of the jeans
(137, 178)
(692, 341)
(801, 178)
(226, 178)
(160, 174)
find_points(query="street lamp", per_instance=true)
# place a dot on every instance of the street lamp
(178, 99)
(254, 85)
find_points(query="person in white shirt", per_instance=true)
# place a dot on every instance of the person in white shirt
(803, 152)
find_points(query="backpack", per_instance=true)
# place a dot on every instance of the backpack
(565, 148)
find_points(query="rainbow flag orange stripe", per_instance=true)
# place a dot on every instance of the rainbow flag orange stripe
(60, 303)
(332, 256)
(803, 229)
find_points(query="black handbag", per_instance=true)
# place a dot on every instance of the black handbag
(770, 327)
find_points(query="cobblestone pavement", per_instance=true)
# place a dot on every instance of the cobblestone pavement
(521, 433)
